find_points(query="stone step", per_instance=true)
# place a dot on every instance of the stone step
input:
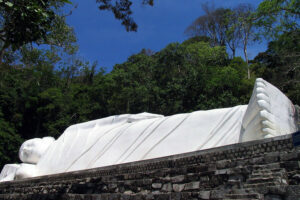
(241, 199)
(101, 196)
(269, 174)
(266, 179)
(241, 191)
(266, 170)
(234, 182)
(244, 196)
(151, 196)
(267, 166)
(258, 185)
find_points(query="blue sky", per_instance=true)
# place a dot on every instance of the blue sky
(102, 38)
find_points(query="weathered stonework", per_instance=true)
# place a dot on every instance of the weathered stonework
(297, 115)
(265, 169)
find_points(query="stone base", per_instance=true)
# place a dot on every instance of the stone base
(264, 169)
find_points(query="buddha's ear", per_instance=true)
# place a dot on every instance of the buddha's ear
(269, 113)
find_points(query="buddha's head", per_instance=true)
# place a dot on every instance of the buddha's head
(32, 150)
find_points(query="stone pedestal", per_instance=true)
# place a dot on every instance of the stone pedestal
(264, 169)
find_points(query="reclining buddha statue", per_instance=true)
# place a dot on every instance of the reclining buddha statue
(134, 137)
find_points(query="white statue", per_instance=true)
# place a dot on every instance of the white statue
(128, 138)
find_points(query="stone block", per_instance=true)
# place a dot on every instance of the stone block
(149, 197)
(175, 196)
(167, 187)
(278, 190)
(212, 167)
(289, 156)
(273, 197)
(217, 194)
(178, 187)
(112, 186)
(192, 185)
(161, 197)
(293, 190)
(204, 179)
(147, 181)
(128, 192)
(291, 165)
(187, 196)
(235, 178)
(192, 177)
(204, 194)
(178, 179)
(144, 192)
(128, 182)
(271, 157)
(221, 171)
(257, 160)
(156, 185)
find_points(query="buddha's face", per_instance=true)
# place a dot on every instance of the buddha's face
(32, 150)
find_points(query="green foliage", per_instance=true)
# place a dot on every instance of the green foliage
(122, 11)
(180, 78)
(9, 142)
(230, 27)
(278, 16)
(198, 39)
(280, 64)
(24, 22)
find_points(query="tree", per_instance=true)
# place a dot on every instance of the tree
(122, 11)
(213, 25)
(231, 27)
(220, 25)
(277, 16)
(280, 63)
(9, 142)
(23, 21)
(233, 34)
(246, 29)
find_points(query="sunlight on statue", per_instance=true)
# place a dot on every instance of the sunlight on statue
(32, 150)
(134, 137)
(30, 153)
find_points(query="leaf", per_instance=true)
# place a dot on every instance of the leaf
(66, 1)
(9, 4)
(45, 14)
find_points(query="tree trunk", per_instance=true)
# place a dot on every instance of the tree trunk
(37, 129)
(5, 46)
(1, 55)
(128, 107)
(247, 61)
